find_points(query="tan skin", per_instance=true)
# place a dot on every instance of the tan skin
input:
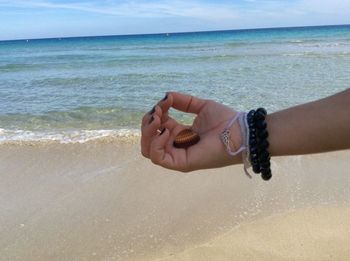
(319, 126)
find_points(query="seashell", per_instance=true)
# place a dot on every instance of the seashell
(186, 138)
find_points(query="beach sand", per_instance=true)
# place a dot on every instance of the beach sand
(307, 234)
(101, 200)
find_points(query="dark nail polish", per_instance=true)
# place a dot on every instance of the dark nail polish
(162, 131)
(150, 121)
(153, 110)
(166, 97)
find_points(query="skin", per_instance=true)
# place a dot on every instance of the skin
(314, 127)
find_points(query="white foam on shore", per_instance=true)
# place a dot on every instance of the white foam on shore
(73, 136)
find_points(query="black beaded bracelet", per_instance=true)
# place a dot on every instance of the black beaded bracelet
(253, 143)
(259, 155)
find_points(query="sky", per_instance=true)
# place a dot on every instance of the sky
(27, 19)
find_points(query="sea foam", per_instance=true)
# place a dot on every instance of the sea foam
(73, 136)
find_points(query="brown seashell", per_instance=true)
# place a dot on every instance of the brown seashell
(185, 139)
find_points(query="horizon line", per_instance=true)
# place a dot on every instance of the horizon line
(170, 33)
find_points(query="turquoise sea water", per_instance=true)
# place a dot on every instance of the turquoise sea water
(78, 88)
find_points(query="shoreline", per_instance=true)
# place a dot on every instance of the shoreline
(21, 137)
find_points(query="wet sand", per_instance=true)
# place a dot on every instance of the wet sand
(101, 200)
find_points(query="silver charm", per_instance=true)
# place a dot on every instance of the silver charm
(225, 137)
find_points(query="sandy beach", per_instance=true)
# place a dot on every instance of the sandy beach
(101, 200)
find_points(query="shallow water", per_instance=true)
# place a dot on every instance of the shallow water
(52, 87)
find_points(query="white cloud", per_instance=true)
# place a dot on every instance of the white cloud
(335, 7)
(224, 12)
(133, 9)
(142, 16)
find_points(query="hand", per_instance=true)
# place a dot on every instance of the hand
(210, 121)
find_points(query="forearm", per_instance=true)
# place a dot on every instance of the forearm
(318, 126)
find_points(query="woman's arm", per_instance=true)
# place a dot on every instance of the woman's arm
(314, 127)
(318, 126)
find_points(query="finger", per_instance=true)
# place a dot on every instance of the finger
(148, 132)
(166, 121)
(187, 103)
(158, 153)
(147, 117)
(161, 109)
(165, 104)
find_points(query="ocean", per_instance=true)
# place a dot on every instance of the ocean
(81, 88)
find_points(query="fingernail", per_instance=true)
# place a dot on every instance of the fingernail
(162, 131)
(150, 121)
(166, 97)
(153, 110)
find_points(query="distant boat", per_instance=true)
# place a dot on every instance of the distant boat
(167, 34)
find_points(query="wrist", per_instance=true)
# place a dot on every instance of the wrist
(232, 139)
